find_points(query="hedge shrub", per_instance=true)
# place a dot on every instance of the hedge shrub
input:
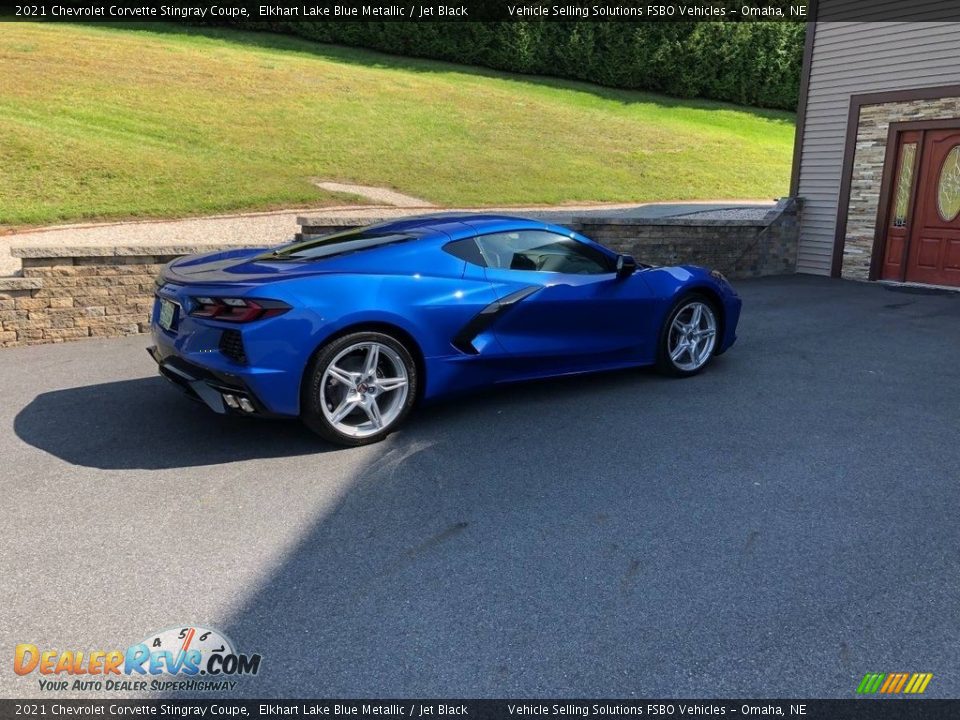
(749, 63)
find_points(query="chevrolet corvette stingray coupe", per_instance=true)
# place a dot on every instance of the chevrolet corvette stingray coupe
(350, 330)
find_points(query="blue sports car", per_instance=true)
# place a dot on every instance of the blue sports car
(349, 331)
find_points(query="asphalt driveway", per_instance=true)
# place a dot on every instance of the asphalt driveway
(777, 526)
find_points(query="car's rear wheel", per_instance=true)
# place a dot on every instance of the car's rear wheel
(359, 388)
(688, 339)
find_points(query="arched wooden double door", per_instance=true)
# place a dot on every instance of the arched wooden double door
(922, 231)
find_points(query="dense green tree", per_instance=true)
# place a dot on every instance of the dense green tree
(750, 63)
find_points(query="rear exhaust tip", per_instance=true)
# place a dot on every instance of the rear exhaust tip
(238, 402)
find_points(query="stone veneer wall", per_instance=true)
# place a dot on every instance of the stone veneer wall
(868, 160)
(738, 248)
(73, 293)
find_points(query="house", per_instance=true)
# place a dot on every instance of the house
(877, 157)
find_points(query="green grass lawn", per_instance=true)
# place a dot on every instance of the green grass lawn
(108, 122)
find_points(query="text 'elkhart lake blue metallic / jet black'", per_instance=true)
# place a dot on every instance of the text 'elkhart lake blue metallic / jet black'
(350, 330)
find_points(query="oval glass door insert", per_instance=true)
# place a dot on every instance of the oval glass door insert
(948, 189)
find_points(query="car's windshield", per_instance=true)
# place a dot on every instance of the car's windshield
(335, 244)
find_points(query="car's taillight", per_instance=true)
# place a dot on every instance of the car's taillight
(232, 309)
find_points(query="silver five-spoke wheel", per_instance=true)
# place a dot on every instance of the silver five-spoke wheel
(364, 389)
(692, 336)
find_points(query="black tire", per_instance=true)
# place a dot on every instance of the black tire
(311, 410)
(665, 364)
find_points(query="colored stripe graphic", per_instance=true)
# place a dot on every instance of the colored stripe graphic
(901, 682)
(870, 683)
(894, 683)
(889, 682)
(918, 683)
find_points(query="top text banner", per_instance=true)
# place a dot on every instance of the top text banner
(260, 11)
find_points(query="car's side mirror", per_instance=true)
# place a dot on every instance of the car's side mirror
(626, 266)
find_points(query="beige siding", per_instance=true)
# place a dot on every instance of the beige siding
(852, 58)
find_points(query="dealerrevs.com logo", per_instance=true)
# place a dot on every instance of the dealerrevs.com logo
(183, 658)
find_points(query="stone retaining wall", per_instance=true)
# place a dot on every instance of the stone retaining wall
(71, 293)
(740, 248)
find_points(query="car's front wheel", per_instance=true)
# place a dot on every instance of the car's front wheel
(688, 338)
(359, 388)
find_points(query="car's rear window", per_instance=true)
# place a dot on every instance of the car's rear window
(335, 244)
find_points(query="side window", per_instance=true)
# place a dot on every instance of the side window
(465, 249)
(542, 251)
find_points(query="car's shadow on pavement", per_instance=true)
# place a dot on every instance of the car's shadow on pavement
(145, 424)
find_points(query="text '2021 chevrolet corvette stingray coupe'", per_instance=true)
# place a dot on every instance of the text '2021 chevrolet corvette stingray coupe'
(349, 331)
